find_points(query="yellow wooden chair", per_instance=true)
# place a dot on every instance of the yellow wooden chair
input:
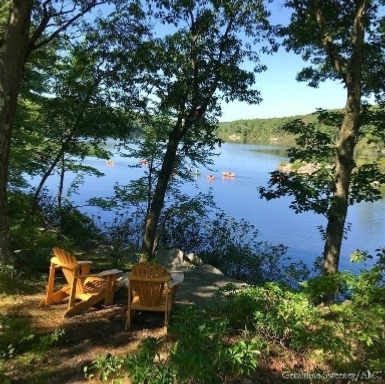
(83, 289)
(150, 290)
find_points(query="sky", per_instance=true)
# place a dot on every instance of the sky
(282, 95)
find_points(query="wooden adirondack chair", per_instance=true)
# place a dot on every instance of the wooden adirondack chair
(83, 289)
(150, 290)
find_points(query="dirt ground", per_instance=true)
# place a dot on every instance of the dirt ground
(101, 330)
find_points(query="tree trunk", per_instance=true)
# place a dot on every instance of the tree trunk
(339, 208)
(149, 237)
(351, 73)
(344, 167)
(14, 50)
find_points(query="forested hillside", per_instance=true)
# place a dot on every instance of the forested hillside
(251, 130)
(370, 143)
(255, 130)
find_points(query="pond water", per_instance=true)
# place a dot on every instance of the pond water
(239, 198)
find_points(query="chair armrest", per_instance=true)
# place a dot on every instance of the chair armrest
(108, 273)
(83, 262)
(85, 276)
(162, 279)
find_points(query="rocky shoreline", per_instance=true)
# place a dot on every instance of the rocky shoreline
(201, 281)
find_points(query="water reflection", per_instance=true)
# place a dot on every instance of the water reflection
(275, 150)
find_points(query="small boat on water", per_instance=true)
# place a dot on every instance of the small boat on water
(228, 174)
(196, 172)
(143, 162)
(210, 177)
(110, 163)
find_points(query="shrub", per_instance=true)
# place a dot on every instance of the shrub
(349, 333)
(233, 247)
(108, 368)
(37, 228)
(276, 312)
(28, 230)
(360, 320)
(202, 355)
(124, 234)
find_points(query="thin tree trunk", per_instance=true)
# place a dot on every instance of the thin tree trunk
(14, 50)
(61, 182)
(48, 172)
(152, 220)
(151, 175)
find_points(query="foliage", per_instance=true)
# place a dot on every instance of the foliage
(344, 336)
(340, 41)
(188, 72)
(186, 222)
(136, 197)
(107, 366)
(123, 233)
(195, 225)
(320, 31)
(17, 339)
(259, 130)
(29, 26)
(204, 353)
(14, 281)
(314, 190)
(57, 133)
(234, 248)
(360, 319)
(351, 330)
(201, 356)
(34, 235)
(313, 185)
(275, 311)
(371, 137)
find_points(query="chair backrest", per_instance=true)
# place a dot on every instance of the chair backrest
(70, 267)
(147, 269)
(148, 280)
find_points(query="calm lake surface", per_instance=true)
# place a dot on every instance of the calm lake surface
(238, 197)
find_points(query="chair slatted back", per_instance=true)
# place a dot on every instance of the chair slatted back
(64, 258)
(150, 292)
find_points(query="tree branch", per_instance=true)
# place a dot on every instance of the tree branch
(327, 41)
(61, 27)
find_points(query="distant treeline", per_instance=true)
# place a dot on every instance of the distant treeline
(265, 130)
(256, 130)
